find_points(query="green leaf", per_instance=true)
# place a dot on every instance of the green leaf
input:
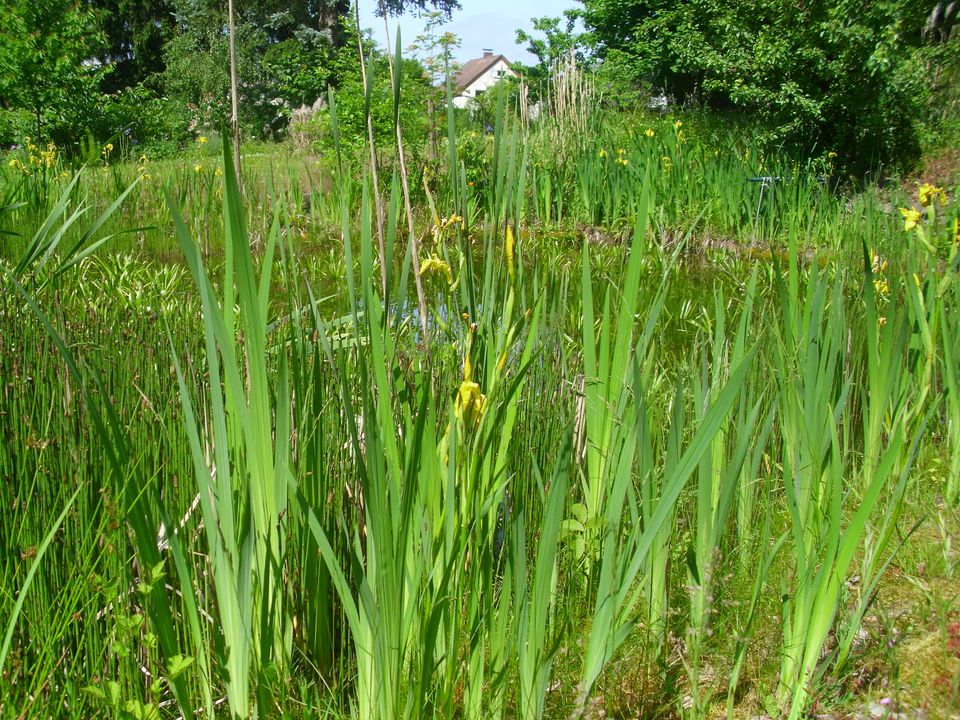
(177, 665)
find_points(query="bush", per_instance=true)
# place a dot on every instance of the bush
(350, 98)
(831, 76)
(143, 122)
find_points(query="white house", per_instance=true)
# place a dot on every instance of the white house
(476, 76)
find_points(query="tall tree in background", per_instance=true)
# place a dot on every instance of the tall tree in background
(135, 33)
(46, 78)
(436, 47)
(159, 69)
(399, 7)
(557, 38)
(840, 75)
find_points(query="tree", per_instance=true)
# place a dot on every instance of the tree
(557, 42)
(69, 67)
(350, 95)
(399, 7)
(135, 34)
(436, 47)
(47, 68)
(820, 75)
(286, 56)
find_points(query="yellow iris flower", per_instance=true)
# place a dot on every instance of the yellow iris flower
(928, 193)
(433, 265)
(470, 403)
(878, 264)
(911, 218)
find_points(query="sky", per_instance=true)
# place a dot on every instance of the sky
(479, 24)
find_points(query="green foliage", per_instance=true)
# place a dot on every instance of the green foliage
(559, 39)
(145, 122)
(512, 503)
(351, 104)
(135, 32)
(832, 75)
(71, 69)
(198, 75)
(299, 71)
(44, 49)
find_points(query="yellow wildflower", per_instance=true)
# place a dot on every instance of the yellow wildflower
(435, 266)
(201, 140)
(831, 155)
(622, 161)
(881, 287)
(218, 172)
(198, 167)
(877, 263)
(648, 132)
(929, 193)
(49, 156)
(911, 218)
(443, 224)
(678, 124)
(470, 404)
(667, 162)
(602, 153)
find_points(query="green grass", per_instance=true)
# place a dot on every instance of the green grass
(649, 451)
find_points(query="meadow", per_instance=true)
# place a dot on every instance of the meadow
(605, 415)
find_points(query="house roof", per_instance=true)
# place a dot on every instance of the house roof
(472, 69)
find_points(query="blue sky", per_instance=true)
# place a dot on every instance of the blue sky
(479, 24)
